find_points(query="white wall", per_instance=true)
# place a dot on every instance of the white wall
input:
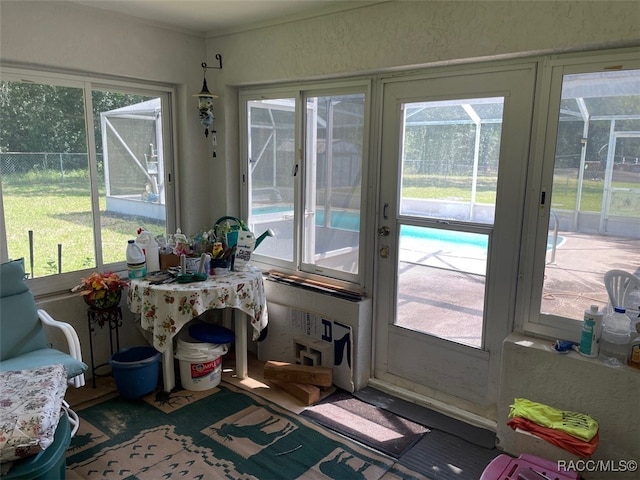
(406, 33)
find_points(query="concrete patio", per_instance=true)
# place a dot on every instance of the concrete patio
(453, 310)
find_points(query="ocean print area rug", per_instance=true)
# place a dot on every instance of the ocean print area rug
(229, 434)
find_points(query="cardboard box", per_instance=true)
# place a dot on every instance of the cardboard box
(169, 260)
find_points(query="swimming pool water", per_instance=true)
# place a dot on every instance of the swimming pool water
(447, 236)
(348, 220)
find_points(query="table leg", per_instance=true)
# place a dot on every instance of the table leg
(168, 371)
(241, 321)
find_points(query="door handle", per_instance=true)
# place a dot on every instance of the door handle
(384, 251)
(383, 231)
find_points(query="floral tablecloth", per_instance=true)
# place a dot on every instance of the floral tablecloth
(166, 308)
(30, 406)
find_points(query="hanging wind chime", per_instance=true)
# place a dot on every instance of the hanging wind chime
(205, 105)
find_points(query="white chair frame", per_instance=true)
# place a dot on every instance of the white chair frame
(619, 285)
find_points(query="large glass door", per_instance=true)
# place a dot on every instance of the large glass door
(454, 153)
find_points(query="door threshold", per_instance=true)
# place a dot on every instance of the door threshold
(436, 405)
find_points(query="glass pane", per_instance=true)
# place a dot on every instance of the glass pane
(45, 178)
(441, 283)
(128, 134)
(271, 159)
(333, 176)
(450, 157)
(595, 216)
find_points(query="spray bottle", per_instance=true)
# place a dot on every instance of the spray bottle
(591, 329)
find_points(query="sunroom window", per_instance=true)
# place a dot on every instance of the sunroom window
(307, 187)
(594, 204)
(70, 198)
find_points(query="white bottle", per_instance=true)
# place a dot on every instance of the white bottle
(148, 243)
(136, 263)
(591, 328)
(616, 334)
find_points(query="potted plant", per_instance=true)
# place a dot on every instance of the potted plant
(101, 290)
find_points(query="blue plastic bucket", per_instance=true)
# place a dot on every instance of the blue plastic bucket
(135, 371)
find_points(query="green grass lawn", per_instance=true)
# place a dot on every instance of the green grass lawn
(59, 213)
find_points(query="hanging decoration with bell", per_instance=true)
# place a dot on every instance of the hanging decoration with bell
(205, 104)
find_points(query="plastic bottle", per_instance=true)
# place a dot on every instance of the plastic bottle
(634, 348)
(171, 245)
(616, 334)
(148, 243)
(136, 263)
(591, 328)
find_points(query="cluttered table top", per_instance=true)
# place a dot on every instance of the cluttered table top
(166, 307)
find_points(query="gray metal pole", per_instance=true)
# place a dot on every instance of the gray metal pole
(31, 251)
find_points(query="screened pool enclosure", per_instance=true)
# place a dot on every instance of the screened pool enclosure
(596, 186)
(133, 163)
(450, 160)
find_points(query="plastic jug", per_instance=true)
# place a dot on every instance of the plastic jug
(616, 333)
(148, 243)
(136, 263)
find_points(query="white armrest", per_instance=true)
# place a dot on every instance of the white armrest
(68, 331)
(72, 340)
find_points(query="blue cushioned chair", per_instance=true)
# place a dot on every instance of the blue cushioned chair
(23, 343)
(23, 346)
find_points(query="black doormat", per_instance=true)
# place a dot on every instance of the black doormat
(366, 423)
(430, 418)
(442, 456)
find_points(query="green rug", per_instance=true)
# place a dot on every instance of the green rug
(229, 434)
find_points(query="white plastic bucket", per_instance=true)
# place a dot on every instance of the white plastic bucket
(200, 363)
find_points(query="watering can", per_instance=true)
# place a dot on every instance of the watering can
(240, 225)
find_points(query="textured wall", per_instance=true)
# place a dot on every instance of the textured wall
(412, 33)
(531, 369)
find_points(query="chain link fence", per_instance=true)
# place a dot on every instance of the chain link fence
(19, 163)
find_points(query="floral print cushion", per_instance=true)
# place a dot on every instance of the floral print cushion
(30, 406)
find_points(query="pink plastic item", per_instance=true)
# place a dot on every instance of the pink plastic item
(525, 467)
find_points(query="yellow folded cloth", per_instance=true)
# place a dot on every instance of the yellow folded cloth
(579, 425)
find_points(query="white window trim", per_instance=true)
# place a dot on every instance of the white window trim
(541, 166)
(60, 283)
(301, 91)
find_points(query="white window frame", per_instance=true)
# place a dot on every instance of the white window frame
(59, 283)
(535, 227)
(301, 91)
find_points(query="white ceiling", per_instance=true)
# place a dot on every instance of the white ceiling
(218, 17)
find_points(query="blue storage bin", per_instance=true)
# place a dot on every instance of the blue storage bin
(135, 371)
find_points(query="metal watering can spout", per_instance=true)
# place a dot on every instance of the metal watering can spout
(268, 233)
